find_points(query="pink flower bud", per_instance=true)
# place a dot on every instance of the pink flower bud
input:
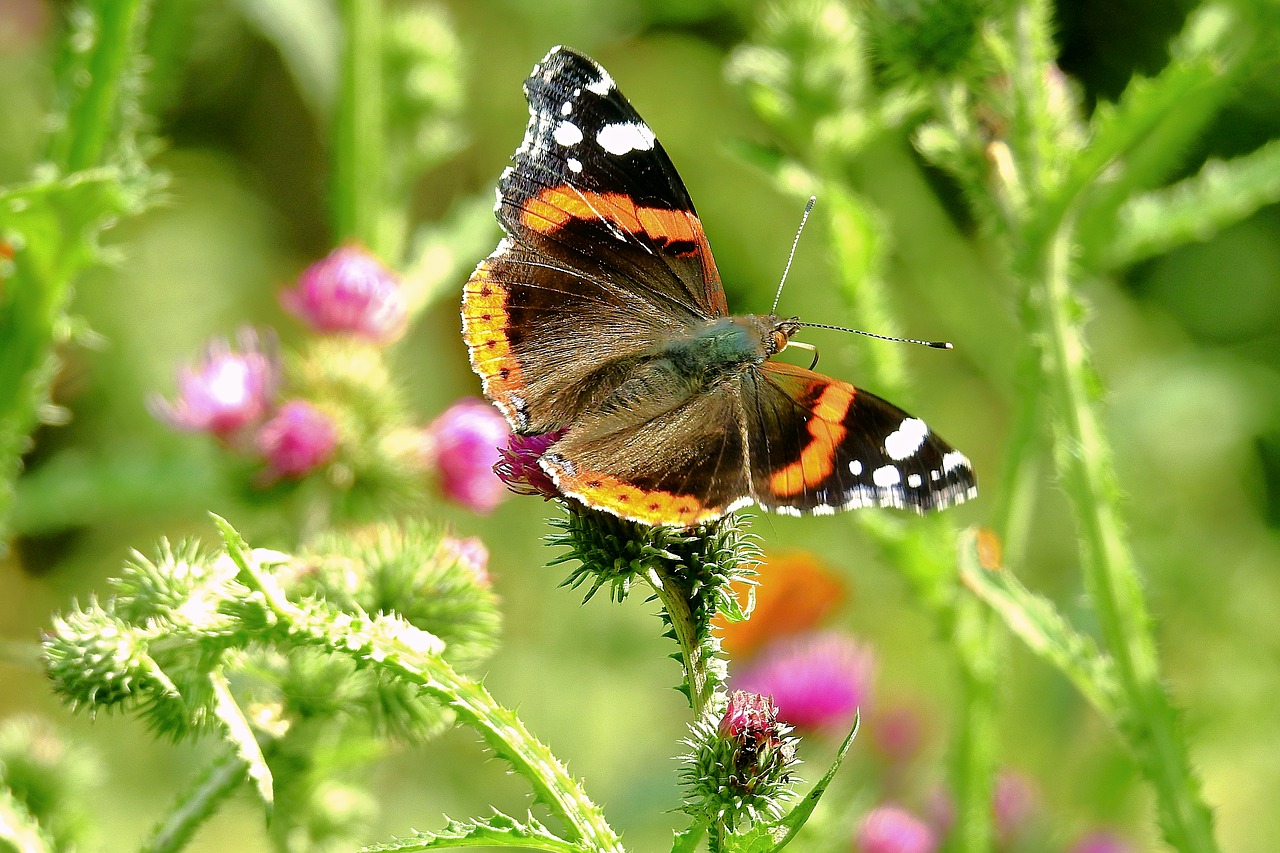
(297, 440)
(892, 829)
(349, 291)
(1101, 841)
(818, 679)
(463, 445)
(225, 391)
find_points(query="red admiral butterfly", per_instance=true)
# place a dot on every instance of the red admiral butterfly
(602, 312)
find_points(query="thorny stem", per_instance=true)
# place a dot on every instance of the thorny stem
(195, 805)
(674, 597)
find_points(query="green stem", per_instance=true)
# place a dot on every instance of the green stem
(93, 114)
(1083, 462)
(675, 600)
(196, 805)
(359, 129)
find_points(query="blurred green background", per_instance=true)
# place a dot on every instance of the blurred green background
(1187, 346)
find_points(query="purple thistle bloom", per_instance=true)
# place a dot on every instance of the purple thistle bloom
(892, 829)
(750, 716)
(297, 440)
(518, 467)
(226, 390)
(349, 291)
(818, 679)
(1101, 841)
(463, 445)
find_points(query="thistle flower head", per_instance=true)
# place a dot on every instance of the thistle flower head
(462, 445)
(893, 829)
(298, 439)
(739, 767)
(350, 291)
(517, 466)
(818, 679)
(226, 390)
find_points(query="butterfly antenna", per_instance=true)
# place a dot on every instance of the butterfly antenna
(808, 208)
(934, 344)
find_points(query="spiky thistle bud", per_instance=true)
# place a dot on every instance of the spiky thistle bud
(739, 766)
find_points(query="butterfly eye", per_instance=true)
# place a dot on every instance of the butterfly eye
(780, 340)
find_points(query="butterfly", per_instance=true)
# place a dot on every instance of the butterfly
(601, 314)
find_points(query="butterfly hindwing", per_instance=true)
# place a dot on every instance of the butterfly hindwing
(657, 464)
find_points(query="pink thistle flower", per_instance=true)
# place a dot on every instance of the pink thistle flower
(898, 733)
(892, 829)
(818, 679)
(1101, 841)
(517, 466)
(297, 440)
(750, 715)
(349, 291)
(226, 390)
(463, 445)
(470, 553)
(1013, 803)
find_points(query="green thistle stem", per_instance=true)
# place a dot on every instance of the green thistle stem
(694, 654)
(1110, 571)
(196, 805)
(359, 143)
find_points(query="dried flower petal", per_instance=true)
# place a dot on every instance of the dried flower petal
(518, 467)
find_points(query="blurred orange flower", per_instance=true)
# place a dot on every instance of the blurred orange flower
(795, 592)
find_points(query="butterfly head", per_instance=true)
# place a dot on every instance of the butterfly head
(780, 332)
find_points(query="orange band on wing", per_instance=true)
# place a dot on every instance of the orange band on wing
(613, 495)
(818, 458)
(553, 208)
(484, 328)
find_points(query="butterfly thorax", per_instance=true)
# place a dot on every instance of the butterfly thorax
(726, 346)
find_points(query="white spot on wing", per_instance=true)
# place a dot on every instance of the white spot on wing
(914, 480)
(625, 137)
(567, 133)
(824, 509)
(886, 476)
(953, 460)
(787, 510)
(855, 467)
(574, 164)
(603, 85)
(566, 108)
(906, 439)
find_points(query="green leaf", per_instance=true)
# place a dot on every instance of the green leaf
(240, 735)
(1221, 194)
(1035, 621)
(50, 228)
(19, 831)
(795, 819)
(497, 831)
